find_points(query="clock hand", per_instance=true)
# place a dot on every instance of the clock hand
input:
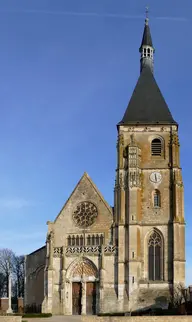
(155, 177)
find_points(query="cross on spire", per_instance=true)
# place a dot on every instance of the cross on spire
(147, 12)
(147, 15)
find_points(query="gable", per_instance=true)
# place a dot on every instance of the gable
(86, 202)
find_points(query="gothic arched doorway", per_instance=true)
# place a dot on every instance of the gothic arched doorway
(83, 276)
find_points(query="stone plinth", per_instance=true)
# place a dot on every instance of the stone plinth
(20, 305)
(4, 304)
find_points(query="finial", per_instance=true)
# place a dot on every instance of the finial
(147, 15)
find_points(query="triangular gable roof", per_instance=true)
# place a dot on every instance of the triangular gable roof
(87, 177)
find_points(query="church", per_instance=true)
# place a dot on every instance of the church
(99, 258)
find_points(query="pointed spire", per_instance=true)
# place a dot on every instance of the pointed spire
(147, 104)
(146, 49)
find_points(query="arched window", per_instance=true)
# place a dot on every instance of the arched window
(93, 240)
(77, 240)
(156, 147)
(101, 240)
(97, 240)
(154, 257)
(81, 240)
(69, 241)
(88, 240)
(73, 241)
(156, 198)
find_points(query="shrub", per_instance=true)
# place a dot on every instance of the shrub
(36, 315)
(112, 314)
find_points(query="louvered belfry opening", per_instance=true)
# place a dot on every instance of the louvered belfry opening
(156, 147)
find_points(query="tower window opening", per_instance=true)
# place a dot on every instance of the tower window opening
(156, 147)
(156, 199)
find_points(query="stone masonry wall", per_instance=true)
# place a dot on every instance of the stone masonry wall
(10, 318)
(34, 275)
(180, 318)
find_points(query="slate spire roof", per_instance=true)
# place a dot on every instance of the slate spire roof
(147, 104)
(147, 39)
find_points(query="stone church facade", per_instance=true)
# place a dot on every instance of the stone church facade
(99, 258)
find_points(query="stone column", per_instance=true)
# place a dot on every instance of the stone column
(9, 310)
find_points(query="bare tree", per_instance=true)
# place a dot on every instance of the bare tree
(179, 295)
(2, 284)
(18, 271)
(6, 265)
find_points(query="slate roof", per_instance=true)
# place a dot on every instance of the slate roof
(147, 105)
(147, 39)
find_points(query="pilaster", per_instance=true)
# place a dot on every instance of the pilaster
(50, 274)
(63, 280)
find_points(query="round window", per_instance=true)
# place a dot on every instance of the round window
(85, 214)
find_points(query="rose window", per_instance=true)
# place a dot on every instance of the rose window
(85, 214)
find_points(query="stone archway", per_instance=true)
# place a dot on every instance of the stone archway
(83, 276)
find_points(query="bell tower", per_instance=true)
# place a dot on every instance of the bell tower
(149, 206)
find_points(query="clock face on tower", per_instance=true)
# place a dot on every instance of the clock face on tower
(155, 177)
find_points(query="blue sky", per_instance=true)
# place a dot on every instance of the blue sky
(67, 71)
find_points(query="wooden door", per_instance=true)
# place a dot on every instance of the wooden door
(90, 298)
(76, 298)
